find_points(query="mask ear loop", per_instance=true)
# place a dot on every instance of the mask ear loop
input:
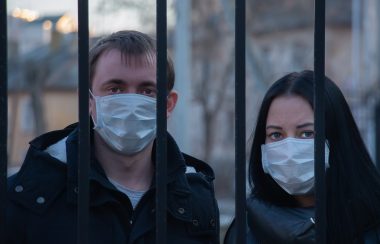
(327, 154)
(93, 96)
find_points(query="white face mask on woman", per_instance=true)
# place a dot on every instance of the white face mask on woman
(126, 122)
(290, 162)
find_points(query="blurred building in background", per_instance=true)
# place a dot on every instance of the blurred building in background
(43, 69)
(280, 36)
(42, 78)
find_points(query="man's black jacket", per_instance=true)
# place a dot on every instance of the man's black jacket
(42, 200)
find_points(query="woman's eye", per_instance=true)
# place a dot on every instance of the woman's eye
(307, 134)
(275, 136)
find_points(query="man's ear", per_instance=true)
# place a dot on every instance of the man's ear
(91, 106)
(171, 102)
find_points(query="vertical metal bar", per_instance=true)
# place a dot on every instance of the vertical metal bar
(377, 136)
(319, 120)
(84, 124)
(3, 116)
(240, 158)
(161, 140)
(377, 107)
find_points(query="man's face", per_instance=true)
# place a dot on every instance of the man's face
(114, 75)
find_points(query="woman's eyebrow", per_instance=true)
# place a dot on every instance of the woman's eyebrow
(274, 127)
(305, 125)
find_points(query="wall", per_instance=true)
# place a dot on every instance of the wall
(60, 110)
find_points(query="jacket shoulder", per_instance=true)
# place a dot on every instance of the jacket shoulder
(372, 236)
(198, 166)
(230, 237)
(38, 183)
(200, 179)
(205, 211)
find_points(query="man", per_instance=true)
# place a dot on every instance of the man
(43, 195)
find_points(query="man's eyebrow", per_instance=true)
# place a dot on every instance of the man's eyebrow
(274, 127)
(147, 83)
(305, 125)
(113, 81)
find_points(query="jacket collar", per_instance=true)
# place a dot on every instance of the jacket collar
(178, 190)
(42, 177)
(292, 225)
(175, 160)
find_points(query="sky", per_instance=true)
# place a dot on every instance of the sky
(100, 23)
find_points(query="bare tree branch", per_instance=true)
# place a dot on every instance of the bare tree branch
(257, 73)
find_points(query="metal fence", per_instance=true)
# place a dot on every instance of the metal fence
(240, 171)
(161, 170)
(84, 123)
(3, 116)
(319, 120)
(240, 140)
(377, 135)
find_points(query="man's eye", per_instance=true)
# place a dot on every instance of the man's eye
(149, 92)
(307, 134)
(115, 90)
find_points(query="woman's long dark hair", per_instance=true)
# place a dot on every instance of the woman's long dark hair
(353, 183)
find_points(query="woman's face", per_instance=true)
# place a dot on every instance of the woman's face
(289, 116)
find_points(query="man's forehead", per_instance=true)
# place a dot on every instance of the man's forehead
(133, 59)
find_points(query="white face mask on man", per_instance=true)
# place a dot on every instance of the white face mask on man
(290, 162)
(126, 122)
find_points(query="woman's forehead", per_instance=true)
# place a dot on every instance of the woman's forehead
(290, 110)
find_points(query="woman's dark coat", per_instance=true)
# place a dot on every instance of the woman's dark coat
(268, 223)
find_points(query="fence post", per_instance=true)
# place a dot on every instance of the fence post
(377, 106)
(377, 134)
(84, 124)
(319, 121)
(3, 116)
(161, 140)
(240, 157)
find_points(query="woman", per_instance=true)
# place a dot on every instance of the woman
(280, 208)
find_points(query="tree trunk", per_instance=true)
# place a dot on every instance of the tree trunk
(208, 121)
